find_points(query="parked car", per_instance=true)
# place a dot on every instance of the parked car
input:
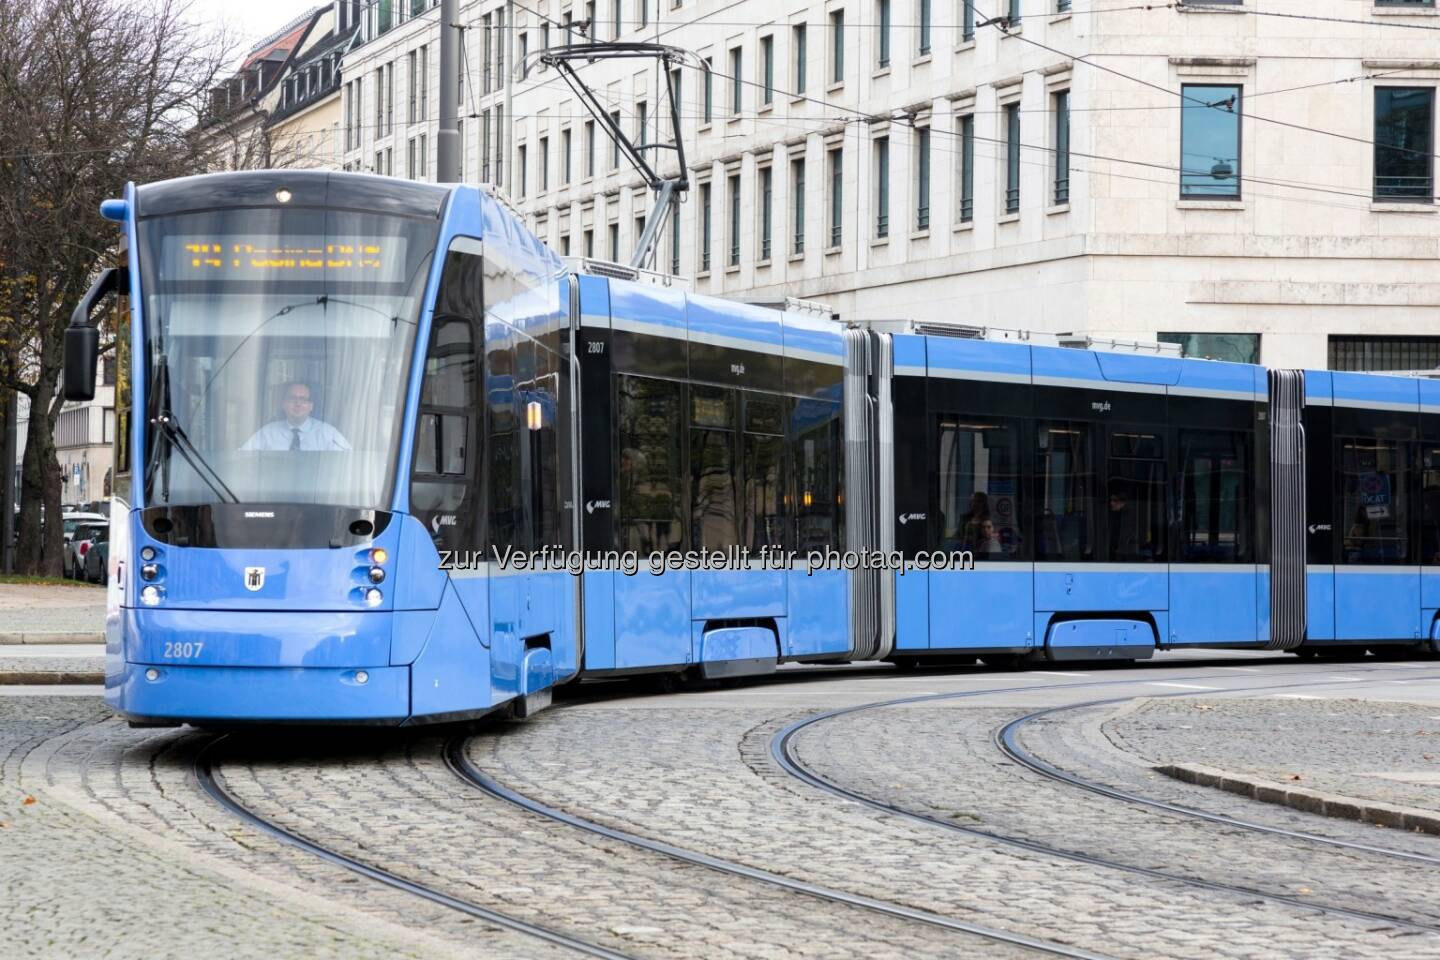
(74, 519)
(97, 557)
(77, 545)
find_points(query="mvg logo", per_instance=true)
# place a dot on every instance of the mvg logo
(738, 369)
(907, 517)
(1100, 406)
(592, 505)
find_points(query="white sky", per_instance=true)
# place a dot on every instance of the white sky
(249, 20)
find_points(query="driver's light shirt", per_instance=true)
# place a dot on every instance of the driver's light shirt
(314, 435)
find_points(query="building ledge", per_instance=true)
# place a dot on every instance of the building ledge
(1399, 11)
(1009, 218)
(1057, 209)
(964, 45)
(1194, 7)
(964, 226)
(1209, 204)
(1420, 206)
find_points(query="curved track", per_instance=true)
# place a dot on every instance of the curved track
(467, 771)
(214, 786)
(783, 753)
(1007, 739)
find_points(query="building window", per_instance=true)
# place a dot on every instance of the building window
(389, 98)
(1012, 12)
(882, 187)
(734, 185)
(615, 142)
(589, 148)
(709, 91)
(519, 171)
(924, 27)
(542, 163)
(1404, 143)
(589, 239)
(836, 160)
(797, 206)
(411, 167)
(767, 189)
(565, 170)
(967, 21)
(882, 35)
(1232, 347)
(837, 46)
(736, 90)
(643, 13)
(767, 71)
(1062, 147)
(1210, 141)
(1012, 157)
(642, 122)
(797, 42)
(619, 23)
(704, 228)
(524, 57)
(412, 88)
(424, 83)
(922, 178)
(544, 38)
(1062, 6)
(1384, 353)
(380, 102)
(614, 241)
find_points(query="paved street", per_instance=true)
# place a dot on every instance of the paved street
(94, 811)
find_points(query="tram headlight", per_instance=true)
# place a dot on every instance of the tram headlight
(147, 554)
(149, 571)
(150, 596)
(373, 596)
(362, 677)
(379, 555)
(377, 575)
(283, 195)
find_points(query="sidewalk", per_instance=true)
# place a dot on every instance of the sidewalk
(51, 634)
(1369, 760)
(51, 613)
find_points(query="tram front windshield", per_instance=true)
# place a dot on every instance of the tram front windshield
(277, 346)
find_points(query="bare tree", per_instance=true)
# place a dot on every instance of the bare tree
(93, 93)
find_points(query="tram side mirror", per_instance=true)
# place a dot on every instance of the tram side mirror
(82, 338)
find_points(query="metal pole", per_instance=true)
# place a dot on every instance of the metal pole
(447, 144)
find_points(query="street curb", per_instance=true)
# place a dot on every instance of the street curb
(41, 678)
(13, 639)
(1310, 801)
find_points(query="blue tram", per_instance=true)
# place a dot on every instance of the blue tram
(383, 457)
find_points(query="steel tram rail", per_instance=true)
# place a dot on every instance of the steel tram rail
(467, 771)
(782, 751)
(213, 785)
(1007, 740)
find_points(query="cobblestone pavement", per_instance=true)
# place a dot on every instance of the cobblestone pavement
(962, 778)
(687, 783)
(121, 854)
(33, 608)
(1359, 748)
(400, 806)
(77, 881)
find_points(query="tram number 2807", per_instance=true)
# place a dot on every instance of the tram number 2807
(184, 650)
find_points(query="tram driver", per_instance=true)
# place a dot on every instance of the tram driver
(297, 430)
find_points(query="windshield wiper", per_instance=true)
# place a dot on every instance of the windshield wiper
(165, 420)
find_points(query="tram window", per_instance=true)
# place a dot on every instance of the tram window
(1066, 481)
(445, 481)
(1430, 505)
(1374, 490)
(1135, 495)
(503, 445)
(763, 475)
(713, 517)
(979, 487)
(815, 452)
(648, 417)
(1215, 477)
(541, 408)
